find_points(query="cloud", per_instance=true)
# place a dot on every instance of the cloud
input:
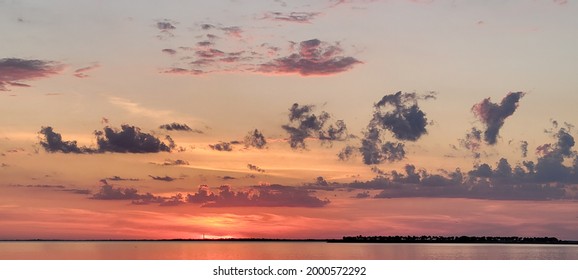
(222, 146)
(166, 28)
(108, 192)
(52, 142)
(347, 152)
(266, 196)
(313, 57)
(560, 2)
(524, 148)
(305, 124)
(118, 178)
(296, 17)
(255, 168)
(226, 178)
(483, 182)
(169, 51)
(55, 187)
(138, 109)
(81, 72)
(163, 178)
(15, 71)
(175, 162)
(493, 115)
(255, 139)
(472, 142)
(129, 139)
(400, 114)
(176, 127)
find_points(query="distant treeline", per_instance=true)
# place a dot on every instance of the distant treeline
(451, 239)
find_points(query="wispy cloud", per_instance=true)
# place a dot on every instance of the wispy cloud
(81, 72)
(296, 17)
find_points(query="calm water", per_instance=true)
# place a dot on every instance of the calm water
(279, 250)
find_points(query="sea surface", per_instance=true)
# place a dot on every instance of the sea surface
(219, 250)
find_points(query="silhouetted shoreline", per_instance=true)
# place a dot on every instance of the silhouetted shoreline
(346, 239)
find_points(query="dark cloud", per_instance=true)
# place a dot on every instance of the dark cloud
(52, 142)
(222, 146)
(364, 194)
(226, 178)
(483, 182)
(169, 51)
(472, 142)
(108, 192)
(166, 28)
(266, 196)
(375, 151)
(14, 71)
(524, 148)
(400, 114)
(305, 124)
(313, 57)
(550, 166)
(163, 178)
(255, 168)
(493, 115)
(297, 17)
(176, 126)
(118, 178)
(129, 139)
(347, 152)
(255, 139)
(166, 25)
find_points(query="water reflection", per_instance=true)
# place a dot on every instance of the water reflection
(214, 250)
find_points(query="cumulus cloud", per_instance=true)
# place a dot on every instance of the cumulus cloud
(255, 139)
(15, 71)
(304, 123)
(263, 196)
(129, 139)
(222, 147)
(52, 142)
(400, 114)
(483, 182)
(296, 17)
(493, 115)
(313, 57)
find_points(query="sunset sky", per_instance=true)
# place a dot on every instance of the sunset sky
(288, 119)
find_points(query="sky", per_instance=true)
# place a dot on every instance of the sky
(288, 119)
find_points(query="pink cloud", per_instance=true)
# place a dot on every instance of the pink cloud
(312, 57)
(81, 72)
(13, 71)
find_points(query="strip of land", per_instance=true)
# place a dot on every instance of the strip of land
(346, 239)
